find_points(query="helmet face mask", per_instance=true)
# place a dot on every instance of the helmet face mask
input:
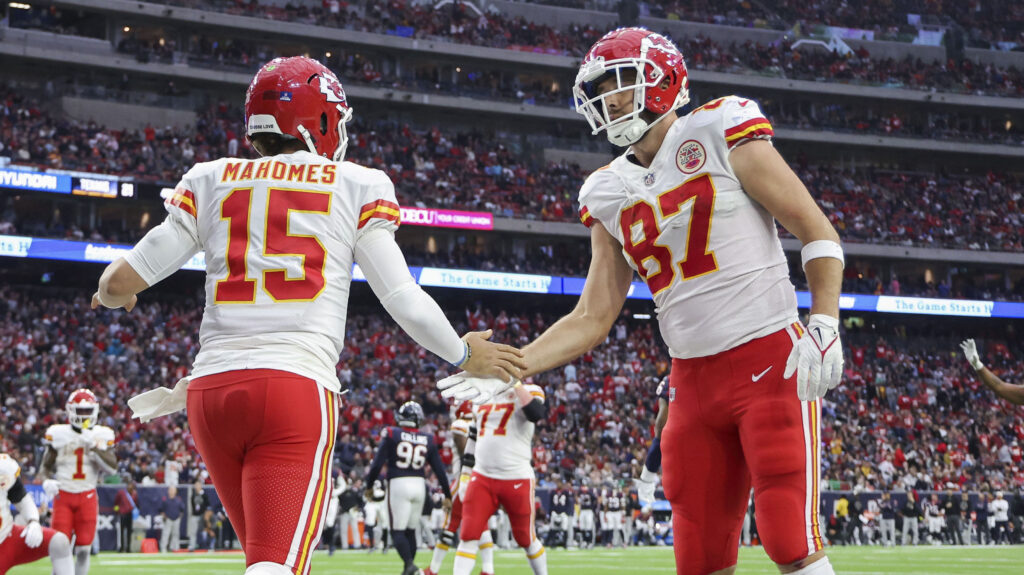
(640, 61)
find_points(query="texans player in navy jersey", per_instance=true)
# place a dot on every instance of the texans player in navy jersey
(562, 510)
(586, 526)
(648, 480)
(406, 451)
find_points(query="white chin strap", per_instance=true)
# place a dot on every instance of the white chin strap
(627, 133)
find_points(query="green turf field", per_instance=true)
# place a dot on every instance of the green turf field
(847, 561)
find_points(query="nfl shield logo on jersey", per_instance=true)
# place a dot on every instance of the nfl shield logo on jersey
(690, 157)
(649, 179)
(671, 394)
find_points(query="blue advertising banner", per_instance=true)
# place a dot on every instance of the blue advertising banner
(44, 248)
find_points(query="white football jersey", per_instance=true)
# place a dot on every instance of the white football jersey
(710, 254)
(279, 235)
(76, 470)
(8, 467)
(504, 444)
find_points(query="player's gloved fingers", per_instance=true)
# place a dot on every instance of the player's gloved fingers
(791, 361)
(837, 374)
(814, 381)
(451, 380)
(802, 382)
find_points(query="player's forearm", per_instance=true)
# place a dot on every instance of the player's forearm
(1012, 393)
(569, 338)
(825, 281)
(106, 460)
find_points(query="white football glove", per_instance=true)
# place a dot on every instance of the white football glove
(479, 390)
(33, 534)
(51, 487)
(971, 353)
(817, 358)
(645, 485)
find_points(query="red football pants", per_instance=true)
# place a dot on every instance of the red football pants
(484, 495)
(13, 550)
(76, 513)
(733, 420)
(267, 437)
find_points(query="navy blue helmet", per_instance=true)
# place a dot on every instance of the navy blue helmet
(410, 414)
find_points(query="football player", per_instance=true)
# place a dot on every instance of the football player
(21, 544)
(280, 235)
(562, 511)
(586, 525)
(1012, 393)
(406, 451)
(613, 505)
(464, 437)
(691, 206)
(77, 453)
(503, 475)
(374, 517)
(648, 479)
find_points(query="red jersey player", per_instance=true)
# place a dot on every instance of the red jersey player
(21, 544)
(280, 235)
(691, 207)
(77, 452)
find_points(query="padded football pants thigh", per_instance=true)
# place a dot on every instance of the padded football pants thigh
(267, 438)
(707, 482)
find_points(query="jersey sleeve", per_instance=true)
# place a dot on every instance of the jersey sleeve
(170, 245)
(743, 121)
(104, 437)
(460, 427)
(378, 206)
(536, 391)
(597, 198)
(53, 437)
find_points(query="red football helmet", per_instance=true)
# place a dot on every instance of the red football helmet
(299, 97)
(82, 408)
(464, 410)
(661, 85)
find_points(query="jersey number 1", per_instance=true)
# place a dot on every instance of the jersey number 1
(79, 456)
(238, 287)
(699, 259)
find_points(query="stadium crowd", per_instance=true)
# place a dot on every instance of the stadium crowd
(462, 25)
(466, 170)
(987, 24)
(908, 406)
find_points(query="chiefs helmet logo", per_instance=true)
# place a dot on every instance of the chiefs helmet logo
(330, 86)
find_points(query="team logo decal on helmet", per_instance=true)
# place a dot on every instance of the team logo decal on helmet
(641, 61)
(300, 98)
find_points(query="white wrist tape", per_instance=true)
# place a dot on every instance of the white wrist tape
(821, 249)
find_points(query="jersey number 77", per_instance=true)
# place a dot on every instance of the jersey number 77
(698, 260)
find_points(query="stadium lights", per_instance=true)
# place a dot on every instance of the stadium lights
(20, 6)
(641, 316)
(127, 29)
(328, 54)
